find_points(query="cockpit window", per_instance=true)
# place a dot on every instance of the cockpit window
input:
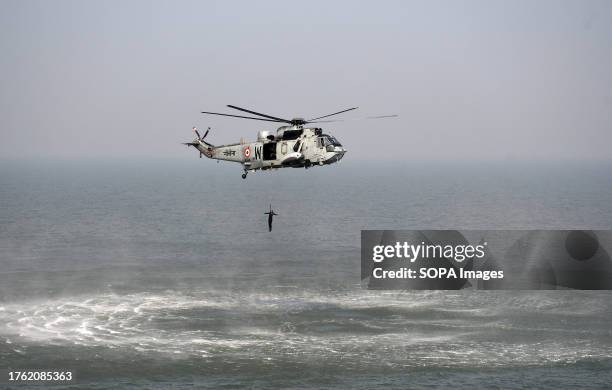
(331, 140)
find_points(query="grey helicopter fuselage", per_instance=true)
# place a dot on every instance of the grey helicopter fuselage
(292, 146)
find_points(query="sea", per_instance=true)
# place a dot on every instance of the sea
(162, 274)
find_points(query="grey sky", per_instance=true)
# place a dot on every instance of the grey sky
(469, 79)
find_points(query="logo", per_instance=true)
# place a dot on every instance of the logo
(247, 152)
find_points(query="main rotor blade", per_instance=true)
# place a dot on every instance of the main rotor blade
(335, 113)
(356, 119)
(240, 116)
(382, 116)
(258, 113)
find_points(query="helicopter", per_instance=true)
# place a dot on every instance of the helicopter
(295, 145)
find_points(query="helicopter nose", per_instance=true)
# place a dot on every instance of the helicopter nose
(339, 153)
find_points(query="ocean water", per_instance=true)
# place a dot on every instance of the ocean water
(157, 274)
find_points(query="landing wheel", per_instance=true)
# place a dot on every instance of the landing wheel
(244, 175)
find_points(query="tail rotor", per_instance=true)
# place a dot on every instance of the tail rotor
(200, 137)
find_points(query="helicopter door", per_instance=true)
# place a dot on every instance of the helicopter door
(269, 151)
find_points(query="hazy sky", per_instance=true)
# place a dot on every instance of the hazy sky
(469, 79)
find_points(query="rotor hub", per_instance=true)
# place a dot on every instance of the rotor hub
(298, 121)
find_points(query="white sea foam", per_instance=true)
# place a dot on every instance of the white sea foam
(389, 329)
